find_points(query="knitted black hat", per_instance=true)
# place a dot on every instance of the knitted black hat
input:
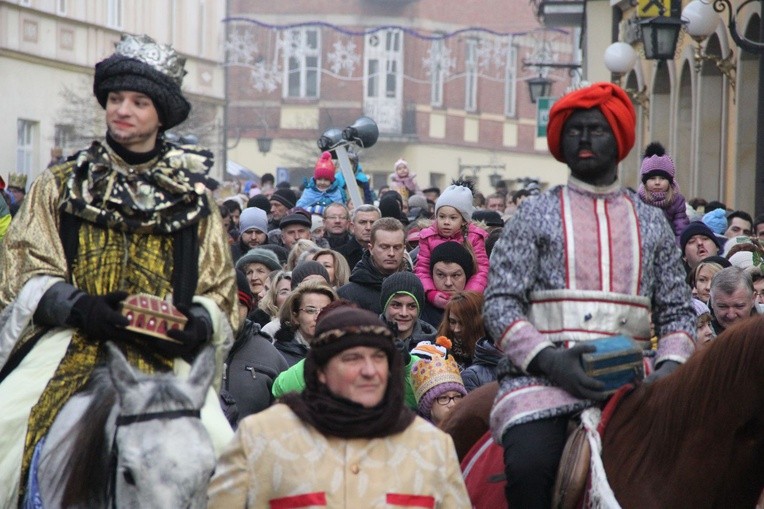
(401, 282)
(119, 72)
(308, 268)
(286, 197)
(696, 228)
(453, 252)
(260, 201)
(346, 327)
(244, 292)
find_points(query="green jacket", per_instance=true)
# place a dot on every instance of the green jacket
(293, 380)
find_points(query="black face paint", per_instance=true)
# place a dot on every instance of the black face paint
(590, 148)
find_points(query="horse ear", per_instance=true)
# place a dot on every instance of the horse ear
(122, 374)
(202, 371)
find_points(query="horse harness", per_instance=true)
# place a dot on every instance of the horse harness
(126, 420)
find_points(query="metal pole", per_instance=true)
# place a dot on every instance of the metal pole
(758, 206)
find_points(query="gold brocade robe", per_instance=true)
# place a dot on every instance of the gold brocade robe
(123, 252)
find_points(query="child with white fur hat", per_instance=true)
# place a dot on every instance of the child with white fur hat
(453, 213)
(403, 181)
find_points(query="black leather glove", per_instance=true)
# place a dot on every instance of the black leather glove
(99, 318)
(197, 331)
(563, 367)
(666, 368)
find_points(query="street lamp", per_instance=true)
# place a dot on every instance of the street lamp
(264, 144)
(659, 37)
(539, 87)
(700, 19)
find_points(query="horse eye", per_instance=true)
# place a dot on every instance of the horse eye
(127, 474)
(212, 474)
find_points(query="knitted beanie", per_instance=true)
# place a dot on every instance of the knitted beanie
(696, 228)
(140, 64)
(286, 197)
(434, 377)
(716, 220)
(316, 222)
(403, 282)
(417, 200)
(453, 252)
(324, 167)
(308, 268)
(259, 255)
(253, 218)
(657, 163)
(281, 252)
(346, 327)
(700, 307)
(260, 201)
(244, 292)
(458, 197)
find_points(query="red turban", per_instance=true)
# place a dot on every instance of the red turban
(611, 100)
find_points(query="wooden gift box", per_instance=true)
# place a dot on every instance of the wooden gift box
(616, 362)
(152, 316)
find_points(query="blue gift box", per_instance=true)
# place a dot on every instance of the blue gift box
(617, 361)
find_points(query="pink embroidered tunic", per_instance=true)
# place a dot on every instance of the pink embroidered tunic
(574, 264)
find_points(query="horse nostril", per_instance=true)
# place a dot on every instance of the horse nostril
(127, 475)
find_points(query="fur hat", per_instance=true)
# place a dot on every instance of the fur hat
(286, 197)
(458, 197)
(253, 218)
(308, 268)
(657, 163)
(281, 252)
(346, 327)
(402, 282)
(400, 162)
(453, 252)
(142, 65)
(316, 222)
(244, 292)
(488, 217)
(697, 228)
(435, 376)
(259, 255)
(324, 167)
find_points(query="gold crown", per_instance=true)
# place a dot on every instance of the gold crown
(17, 180)
(426, 374)
(160, 57)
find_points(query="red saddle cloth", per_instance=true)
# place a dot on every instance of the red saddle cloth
(483, 471)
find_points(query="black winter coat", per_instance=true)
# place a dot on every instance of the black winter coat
(483, 367)
(292, 350)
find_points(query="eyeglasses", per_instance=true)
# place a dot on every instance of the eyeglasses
(445, 400)
(310, 310)
(337, 218)
(759, 294)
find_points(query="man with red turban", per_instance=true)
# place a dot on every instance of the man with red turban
(579, 262)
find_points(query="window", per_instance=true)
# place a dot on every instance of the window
(302, 63)
(201, 31)
(114, 13)
(470, 76)
(64, 136)
(26, 3)
(510, 83)
(61, 7)
(437, 73)
(25, 145)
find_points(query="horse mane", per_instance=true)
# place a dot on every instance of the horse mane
(89, 464)
(714, 390)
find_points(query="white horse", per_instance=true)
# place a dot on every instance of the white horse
(129, 440)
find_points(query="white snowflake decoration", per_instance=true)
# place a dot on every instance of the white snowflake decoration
(292, 44)
(343, 57)
(438, 58)
(241, 47)
(264, 77)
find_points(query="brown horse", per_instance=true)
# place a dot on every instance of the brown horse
(693, 439)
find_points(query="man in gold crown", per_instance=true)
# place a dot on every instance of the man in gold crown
(129, 214)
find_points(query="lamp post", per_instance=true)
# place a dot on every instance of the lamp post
(659, 37)
(539, 87)
(264, 144)
(701, 22)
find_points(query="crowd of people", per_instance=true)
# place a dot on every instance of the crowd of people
(346, 333)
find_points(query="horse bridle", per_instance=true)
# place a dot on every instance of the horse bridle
(126, 420)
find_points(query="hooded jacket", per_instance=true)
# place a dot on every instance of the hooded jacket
(365, 285)
(483, 367)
